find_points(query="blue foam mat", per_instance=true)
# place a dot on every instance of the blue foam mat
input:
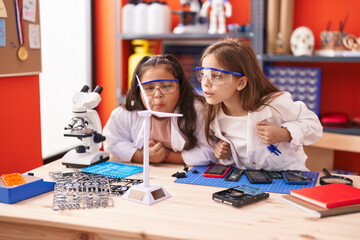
(113, 169)
(277, 186)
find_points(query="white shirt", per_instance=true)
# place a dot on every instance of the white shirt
(124, 135)
(303, 125)
(234, 128)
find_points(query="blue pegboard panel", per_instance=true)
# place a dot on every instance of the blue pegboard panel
(277, 186)
(302, 82)
(113, 169)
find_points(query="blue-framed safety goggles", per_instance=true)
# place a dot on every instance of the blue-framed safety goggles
(215, 76)
(166, 86)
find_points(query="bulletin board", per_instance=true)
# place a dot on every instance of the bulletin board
(10, 63)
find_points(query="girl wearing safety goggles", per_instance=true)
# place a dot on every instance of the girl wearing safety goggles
(172, 140)
(246, 113)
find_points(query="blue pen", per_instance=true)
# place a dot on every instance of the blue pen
(274, 149)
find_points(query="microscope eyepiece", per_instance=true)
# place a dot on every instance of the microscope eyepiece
(98, 89)
(85, 88)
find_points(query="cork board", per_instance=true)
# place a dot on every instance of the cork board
(10, 64)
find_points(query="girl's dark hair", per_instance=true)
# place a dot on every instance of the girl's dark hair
(187, 123)
(234, 54)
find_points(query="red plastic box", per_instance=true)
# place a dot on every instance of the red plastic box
(335, 120)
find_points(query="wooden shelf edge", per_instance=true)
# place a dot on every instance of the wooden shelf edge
(337, 141)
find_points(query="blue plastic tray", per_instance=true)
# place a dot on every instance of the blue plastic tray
(113, 169)
(34, 186)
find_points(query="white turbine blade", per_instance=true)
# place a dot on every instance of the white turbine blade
(159, 114)
(145, 113)
(165, 114)
(143, 93)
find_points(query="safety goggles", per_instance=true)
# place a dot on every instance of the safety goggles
(215, 76)
(166, 86)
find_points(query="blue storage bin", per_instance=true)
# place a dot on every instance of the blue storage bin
(34, 186)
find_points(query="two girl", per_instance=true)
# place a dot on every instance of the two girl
(254, 125)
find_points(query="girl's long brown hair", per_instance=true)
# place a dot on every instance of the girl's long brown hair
(234, 54)
(187, 123)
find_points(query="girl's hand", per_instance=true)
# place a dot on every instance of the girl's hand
(222, 150)
(270, 133)
(157, 152)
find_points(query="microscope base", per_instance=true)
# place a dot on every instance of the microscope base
(81, 160)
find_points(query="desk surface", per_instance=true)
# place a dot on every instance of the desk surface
(337, 141)
(189, 214)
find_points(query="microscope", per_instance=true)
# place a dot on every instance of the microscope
(86, 126)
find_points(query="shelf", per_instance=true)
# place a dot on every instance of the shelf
(247, 35)
(348, 131)
(291, 58)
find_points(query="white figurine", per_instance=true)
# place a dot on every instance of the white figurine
(217, 15)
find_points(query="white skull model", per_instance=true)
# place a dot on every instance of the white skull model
(302, 42)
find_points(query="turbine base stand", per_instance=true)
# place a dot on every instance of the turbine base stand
(146, 194)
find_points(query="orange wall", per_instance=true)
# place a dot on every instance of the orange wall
(105, 54)
(316, 15)
(20, 124)
(340, 81)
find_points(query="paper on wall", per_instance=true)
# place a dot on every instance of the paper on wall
(3, 13)
(2, 33)
(34, 36)
(29, 10)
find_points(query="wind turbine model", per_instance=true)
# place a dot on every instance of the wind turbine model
(144, 192)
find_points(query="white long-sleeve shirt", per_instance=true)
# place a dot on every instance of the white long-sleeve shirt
(303, 125)
(124, 135)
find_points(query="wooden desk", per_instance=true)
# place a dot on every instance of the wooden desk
(321, 153)
(189, 214)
